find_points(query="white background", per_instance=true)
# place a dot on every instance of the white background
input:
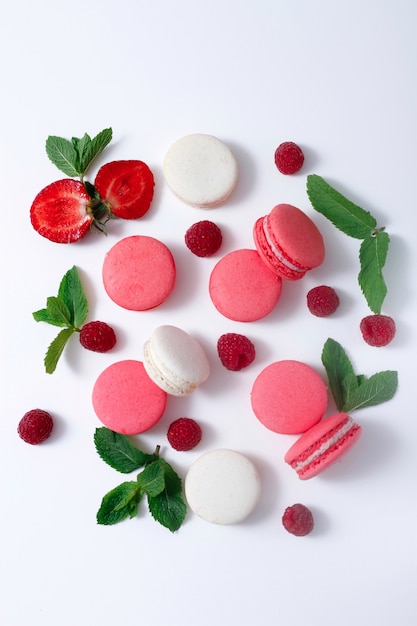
(339, 78)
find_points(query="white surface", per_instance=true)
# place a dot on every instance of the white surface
(340, 79)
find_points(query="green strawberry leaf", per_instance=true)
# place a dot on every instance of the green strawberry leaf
(56, 348)
(168, 507)
(372, 255)
(152, 478)
(119, 503)
(338, 367)
(63, 154)
(374, 390)
(119, 452)
(72, 293)
(344, 214)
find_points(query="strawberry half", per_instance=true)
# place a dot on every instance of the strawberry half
(127, 187)
(61, 211)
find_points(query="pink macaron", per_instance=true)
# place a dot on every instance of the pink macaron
(139, 273)
(126, 400)
(243, 288)
(323, 445)
(289, 242)
(289, 397)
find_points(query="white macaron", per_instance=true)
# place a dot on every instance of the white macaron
(201, 170)
(222, 487)
(175, 361)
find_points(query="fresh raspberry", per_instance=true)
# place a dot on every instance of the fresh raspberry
(298, 520)
(184, 434)
(289, 157)
(35, 426)
(235, 351)
(97, 336)
(322, 301)
(378, 330)
(203, 238)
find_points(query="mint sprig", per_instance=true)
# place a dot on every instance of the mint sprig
(360, 224)
(69, 310)
(158, 481)
(73, 157)
(350, 390)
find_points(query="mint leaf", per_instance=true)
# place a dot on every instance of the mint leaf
(94, 147)
(120, 503)
(152, 478)
(56, 313)
(72, 293)
(344, 214)
(338, 367)
(372, 256)
(55, 349)
(119, 452)
(169, 508)
(374, 390)
(63, 154)
(352, 391)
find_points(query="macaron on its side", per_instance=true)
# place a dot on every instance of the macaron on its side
(289, 397)
(289, 241)
(222, 487)
(243, 288)
(201, 170)
(323, 445)
(175, 360)
(139, 273)
(126, 400)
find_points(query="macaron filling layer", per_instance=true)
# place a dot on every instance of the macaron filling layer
(276, 252)
(325, 445)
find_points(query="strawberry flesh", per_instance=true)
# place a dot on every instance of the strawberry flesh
(60, 211)
(127, 186)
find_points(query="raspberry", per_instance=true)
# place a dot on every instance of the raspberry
(203, 238)
(35, 426)
(235, 351)
(378, 330)
(289, 157)
(97, 336)
(184, 434)
(298, 520)
(322, 301)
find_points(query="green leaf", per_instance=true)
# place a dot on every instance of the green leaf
(119, 503)
(169, 508)
(344, 214)
(119, 452)
(94, 147)
(374, 390)
(372, 256)
(338, 366)
(62, 154)
(72, 293)
(152, 478)
(56, 348)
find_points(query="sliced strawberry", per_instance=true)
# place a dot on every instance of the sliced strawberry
(127, 186)
(60, 212)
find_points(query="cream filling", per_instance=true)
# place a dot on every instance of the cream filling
(325, 446)
(275, 251)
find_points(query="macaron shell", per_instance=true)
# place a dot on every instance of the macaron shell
(175, 360)
(242, 288)
(126, 400)
(222, 487)
(289, 241)
(201, 170)
(289, 397)
(139, 273)
(331, 438)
